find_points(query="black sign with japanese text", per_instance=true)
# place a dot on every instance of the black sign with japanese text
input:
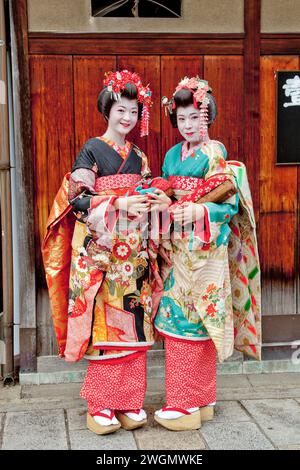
(288, 118)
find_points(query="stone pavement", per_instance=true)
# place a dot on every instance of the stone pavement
(257, 411)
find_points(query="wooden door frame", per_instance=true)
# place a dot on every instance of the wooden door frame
(24, 186)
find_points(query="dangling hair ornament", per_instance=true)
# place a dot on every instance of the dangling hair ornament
(116, 83)
(168, 104)
(200, 89)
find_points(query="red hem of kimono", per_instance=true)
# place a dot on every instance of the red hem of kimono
(115, 385)
(118, 360)
(191, 372)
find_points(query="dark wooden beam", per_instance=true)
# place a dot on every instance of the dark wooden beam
(252, 21)
(165, 44)
(135, 44)
(24, 187)
(280, 44)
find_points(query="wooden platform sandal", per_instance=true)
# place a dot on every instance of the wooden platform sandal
(189, 420)
(207, 413)
(131, 419)
(95, 425)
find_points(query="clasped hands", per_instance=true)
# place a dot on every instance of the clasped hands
(138, 205)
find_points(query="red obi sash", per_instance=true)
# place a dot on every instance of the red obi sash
(187, 183)
(198, 187)
(129, 185)
(118, 181)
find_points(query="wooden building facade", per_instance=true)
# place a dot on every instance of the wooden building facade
(60, 77)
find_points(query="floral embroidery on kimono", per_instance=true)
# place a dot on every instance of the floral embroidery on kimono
(197, 300)
(110, 274)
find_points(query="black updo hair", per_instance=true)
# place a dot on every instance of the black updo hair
(106, 99)
(184, 98)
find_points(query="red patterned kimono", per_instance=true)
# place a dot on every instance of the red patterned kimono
(100, 268)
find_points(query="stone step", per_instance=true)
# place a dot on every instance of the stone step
(54, 370)
(47, 364)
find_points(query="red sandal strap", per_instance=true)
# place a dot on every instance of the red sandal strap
(137, 412)
(180, 410)
(110, 415)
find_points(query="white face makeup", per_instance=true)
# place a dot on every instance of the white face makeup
(123, 116)
(188, 122)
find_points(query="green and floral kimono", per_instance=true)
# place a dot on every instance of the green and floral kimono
(197, 303)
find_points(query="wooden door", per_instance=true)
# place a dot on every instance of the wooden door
(278, 218)
(64, 92)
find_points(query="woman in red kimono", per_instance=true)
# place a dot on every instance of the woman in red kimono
(109, 273)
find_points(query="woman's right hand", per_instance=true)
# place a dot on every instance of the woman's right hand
(134, 205)
(188, 213)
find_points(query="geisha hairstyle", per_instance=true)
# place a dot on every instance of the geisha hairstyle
(106, 99)
(184, 98)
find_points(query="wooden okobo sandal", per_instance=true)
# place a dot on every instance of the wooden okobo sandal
(207, 413)
(128, 423)
(189, 421)
(97, 428)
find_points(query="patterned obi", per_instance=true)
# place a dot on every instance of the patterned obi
(130, 184)
(106, 184)
(191, 189)
(183, 185)
(188, 183)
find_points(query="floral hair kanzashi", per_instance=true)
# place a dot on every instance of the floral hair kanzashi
(200, 89)
(116, 83)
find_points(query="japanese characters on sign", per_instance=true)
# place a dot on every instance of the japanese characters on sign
(288, 118)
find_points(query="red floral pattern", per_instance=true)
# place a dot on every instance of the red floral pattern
(116, 181)
(203, 188)
(79, 308)
(122, 250)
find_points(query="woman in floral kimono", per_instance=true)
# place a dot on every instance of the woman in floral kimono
(109, 292)
(195, 315)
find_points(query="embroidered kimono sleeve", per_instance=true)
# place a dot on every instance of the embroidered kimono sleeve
(97, 212)
(217, 216)
(82, 182)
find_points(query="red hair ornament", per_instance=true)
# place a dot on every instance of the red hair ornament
(199, 89)
(116, 83)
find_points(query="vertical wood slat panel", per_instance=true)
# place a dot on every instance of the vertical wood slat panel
(173, 69)
(52, 153)
(278, 203)
(148, 67)
(225, 76)
(277, 242)
(52, 130)
(88, 82)
(275, 194)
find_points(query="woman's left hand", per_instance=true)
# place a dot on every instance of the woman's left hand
(188, 213)
(159, 200)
